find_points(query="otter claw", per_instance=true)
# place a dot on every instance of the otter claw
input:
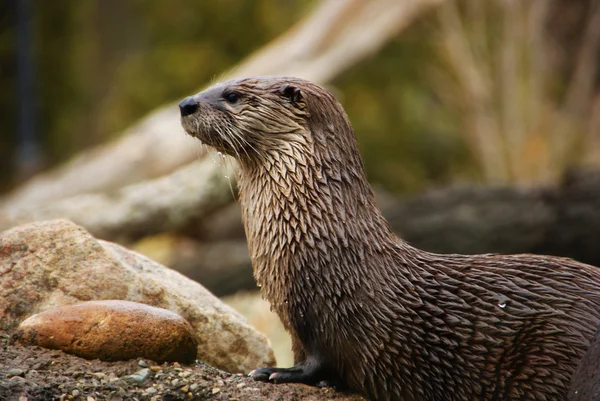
(297, 374)
(262, 375)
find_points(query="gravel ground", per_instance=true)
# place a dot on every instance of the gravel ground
(32, 373)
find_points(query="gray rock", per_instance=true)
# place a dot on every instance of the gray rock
(53, 263)
(138, 377)
(16, 372)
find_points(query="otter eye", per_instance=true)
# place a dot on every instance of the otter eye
(231, 97)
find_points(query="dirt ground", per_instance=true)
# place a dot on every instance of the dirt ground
(32, 373)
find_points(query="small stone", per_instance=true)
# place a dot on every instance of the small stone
(176, 365)
(194, 387)
(75, 393)
(155, 368)
(16, 372)
(17, 379)
(22, 398)
(100, 375)
(240, 385)
(174, 382)
(143, 363)
(138, 377)
(220, 383)
(216, 390)
(90, 398)
(185, 389)
(190, 395)
(132, 329)
(151, 391)
(185, 374)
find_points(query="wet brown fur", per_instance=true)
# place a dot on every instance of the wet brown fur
(385, 318)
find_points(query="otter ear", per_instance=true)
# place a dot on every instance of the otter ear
(291, 92)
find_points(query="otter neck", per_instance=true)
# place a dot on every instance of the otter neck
(300, 215)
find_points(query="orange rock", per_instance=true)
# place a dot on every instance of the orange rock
(112, 330)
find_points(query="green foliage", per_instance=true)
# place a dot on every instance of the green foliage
(458, 95)
(407, 137)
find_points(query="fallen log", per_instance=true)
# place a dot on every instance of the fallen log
(562, 220)
(135, 211)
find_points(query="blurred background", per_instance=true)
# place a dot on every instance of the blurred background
(478, 120)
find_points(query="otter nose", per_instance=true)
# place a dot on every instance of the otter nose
(188, 106)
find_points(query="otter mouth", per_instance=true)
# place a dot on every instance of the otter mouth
(188, 127)
(199, 121)
(193, 125)
(190, 120)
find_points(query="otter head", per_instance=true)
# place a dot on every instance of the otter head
(247, 118)
(261, 118)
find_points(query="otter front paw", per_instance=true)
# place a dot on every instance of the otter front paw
(301, 373)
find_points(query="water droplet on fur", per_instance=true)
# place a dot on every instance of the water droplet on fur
(502, 305)
(220, 154)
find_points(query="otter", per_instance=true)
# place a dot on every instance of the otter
(368, 312)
